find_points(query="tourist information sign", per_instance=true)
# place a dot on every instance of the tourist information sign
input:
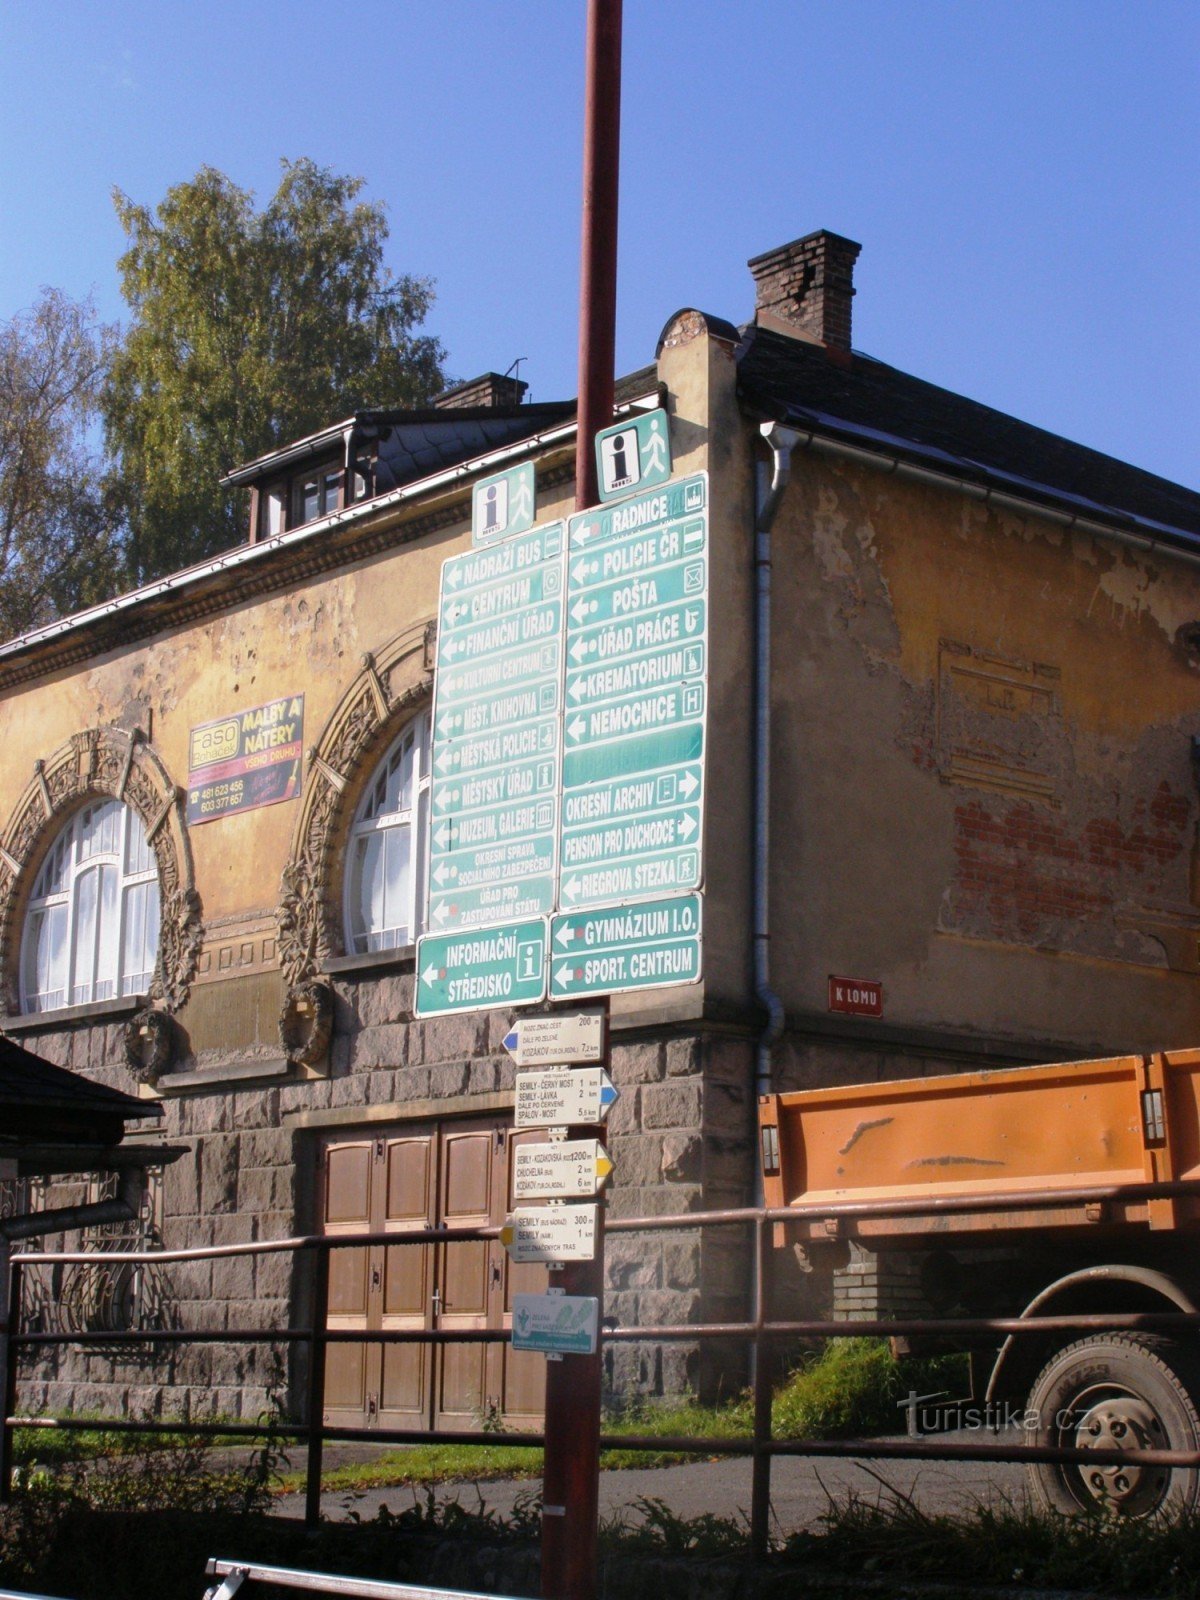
(635, 699)
(562, 1170)
(503, 505)
(496, 733)
(558, 1039)
(481, 969)
(556, 1324)
(556, 1099)
(551, 1233)
(633, 454)
(614, 948)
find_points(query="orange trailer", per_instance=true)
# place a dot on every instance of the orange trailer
(1024, 1191)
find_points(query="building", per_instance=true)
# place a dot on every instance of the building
(983, 825)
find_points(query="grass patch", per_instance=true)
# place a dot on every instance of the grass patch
(852, 1389)
(59, 1447)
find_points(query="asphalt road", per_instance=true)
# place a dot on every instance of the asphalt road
(801, 1490)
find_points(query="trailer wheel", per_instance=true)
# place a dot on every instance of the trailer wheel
(1117, 1391)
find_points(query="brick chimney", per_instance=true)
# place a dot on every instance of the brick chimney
(490, 390)
(807, 286)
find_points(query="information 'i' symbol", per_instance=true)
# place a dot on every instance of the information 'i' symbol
(491, 520)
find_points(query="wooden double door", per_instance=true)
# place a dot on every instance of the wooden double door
(452, 1174)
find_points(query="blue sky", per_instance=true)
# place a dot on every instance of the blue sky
(1022, 174)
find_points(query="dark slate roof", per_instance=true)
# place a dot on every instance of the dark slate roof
(418, 444)
(865, 402)
(29, 1082)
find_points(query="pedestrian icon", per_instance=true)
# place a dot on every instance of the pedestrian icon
(634, 454)
(503, 505)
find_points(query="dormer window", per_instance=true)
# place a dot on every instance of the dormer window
(316, 494)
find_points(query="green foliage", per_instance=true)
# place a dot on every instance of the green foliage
(60, 546)
(853, 1388)
(654, 1529)
(249, 330)
(889, 1536)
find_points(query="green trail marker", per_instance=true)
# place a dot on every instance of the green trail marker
(497, 732)
(634, 454)
(635, 701)
(616, 948)
(481, 970)
(559, 1324)
(503, 505)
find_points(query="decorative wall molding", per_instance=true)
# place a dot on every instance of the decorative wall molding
(94, 764)
(392, 686)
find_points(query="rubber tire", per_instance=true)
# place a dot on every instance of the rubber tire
(1162, 1374)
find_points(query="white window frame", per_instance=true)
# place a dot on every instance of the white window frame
(80, 853)
(370, 820)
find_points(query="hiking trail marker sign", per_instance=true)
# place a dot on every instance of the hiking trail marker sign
(558, 1099)
(551, 1234)
(556, 1040)
(566, 1169)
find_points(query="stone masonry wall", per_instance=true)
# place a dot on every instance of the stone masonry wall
(681, 1135)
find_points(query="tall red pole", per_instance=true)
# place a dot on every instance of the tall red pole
(598, 266)
(571, 1476)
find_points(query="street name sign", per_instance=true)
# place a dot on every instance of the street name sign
(615, 948)
(635, 699)
(551, 1233)
(557, 1099)
(566, 1169)
(633, 454)
(559, 1039)
(558, 1324)
(503, 504)
(497, 732)
(481, 969)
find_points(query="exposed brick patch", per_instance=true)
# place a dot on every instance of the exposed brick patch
(1020, 869)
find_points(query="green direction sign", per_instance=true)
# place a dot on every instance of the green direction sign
(481, 970)
(497, 732)
(635, 698)
(473, 791)
(502, 505)
(634, 454)
(611, 949)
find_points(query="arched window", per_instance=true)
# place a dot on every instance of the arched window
(91, 930)
(386, 885)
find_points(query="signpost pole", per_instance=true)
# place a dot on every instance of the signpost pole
(571, 1477)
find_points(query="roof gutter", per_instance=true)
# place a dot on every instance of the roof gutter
(896, 466)
(450, 478)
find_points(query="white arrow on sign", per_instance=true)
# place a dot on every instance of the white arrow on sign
(558, 1099)
(688, 785)
(577, 728)
(565, 934)
(687, 827)
(557, 1039)
(443, 835)
(440, 912)
(453, 575)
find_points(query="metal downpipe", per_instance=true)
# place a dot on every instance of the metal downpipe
(781, 441)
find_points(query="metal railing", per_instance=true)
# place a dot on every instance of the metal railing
(235, 1573)
(760, 1330)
